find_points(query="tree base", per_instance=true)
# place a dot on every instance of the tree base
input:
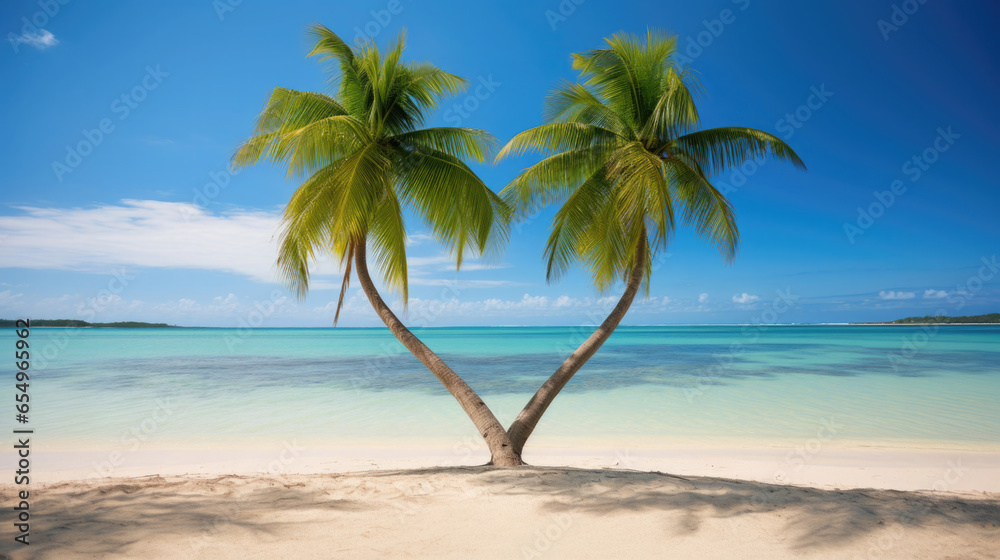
(507, 460)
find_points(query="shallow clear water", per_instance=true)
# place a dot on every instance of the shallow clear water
(879, 385)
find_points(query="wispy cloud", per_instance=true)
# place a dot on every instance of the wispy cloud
(935, 294)
(141, 233)
(9, 298)
(219, 306)
(417, 238)
(41, 40)
(460, 283)
(179, 235)
(892, 294)
(430, 311)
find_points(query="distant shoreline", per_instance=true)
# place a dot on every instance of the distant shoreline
(985, 319)
(78, 324)
(912, 324)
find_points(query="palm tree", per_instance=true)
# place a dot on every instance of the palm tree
(365, 159)
(624, 151)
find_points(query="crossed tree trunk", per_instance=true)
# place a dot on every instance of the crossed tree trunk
(505, 445)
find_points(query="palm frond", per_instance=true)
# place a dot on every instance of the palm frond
(716, 149)
(365, 157)
(622, 149)
(462, 212)
(555, 137)
(580, 211)
(388, 244)
(552, 178)
(707, 210)
(462, 143)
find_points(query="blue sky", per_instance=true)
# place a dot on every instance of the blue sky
(117, 202)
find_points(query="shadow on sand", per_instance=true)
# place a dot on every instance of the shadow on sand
(111, 517)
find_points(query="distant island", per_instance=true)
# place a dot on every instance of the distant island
(80, 324)
(942, 319)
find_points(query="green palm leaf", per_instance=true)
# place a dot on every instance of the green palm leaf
(622, 150)
(366, 161)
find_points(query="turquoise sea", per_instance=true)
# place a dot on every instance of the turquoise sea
(742, 385)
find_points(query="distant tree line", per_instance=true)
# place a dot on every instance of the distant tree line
(988, 318)
(79, 323)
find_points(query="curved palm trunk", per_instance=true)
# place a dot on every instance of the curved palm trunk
(526, 421)
(501, 450)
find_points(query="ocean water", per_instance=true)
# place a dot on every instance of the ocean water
(733, 385)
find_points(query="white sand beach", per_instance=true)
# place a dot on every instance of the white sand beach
(842, 503)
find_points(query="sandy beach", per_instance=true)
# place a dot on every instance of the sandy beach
(842, 503)
(479, 512)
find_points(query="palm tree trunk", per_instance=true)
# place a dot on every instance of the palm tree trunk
(501, 450)
(526, 421)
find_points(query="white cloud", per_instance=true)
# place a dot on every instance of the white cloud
(438, 311)
(228, 303)
(426, 310)
(141, 233)
(935, 294)
(564, 301)
(418, 281)
(41, 40)
(417, 238)
(891, 294)
(60, 301)
(8, 298)
(702, 298)
(744, 298)
(177, 235)
(103, 305)
(446, 263)
(230, 308)
(429, 311)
